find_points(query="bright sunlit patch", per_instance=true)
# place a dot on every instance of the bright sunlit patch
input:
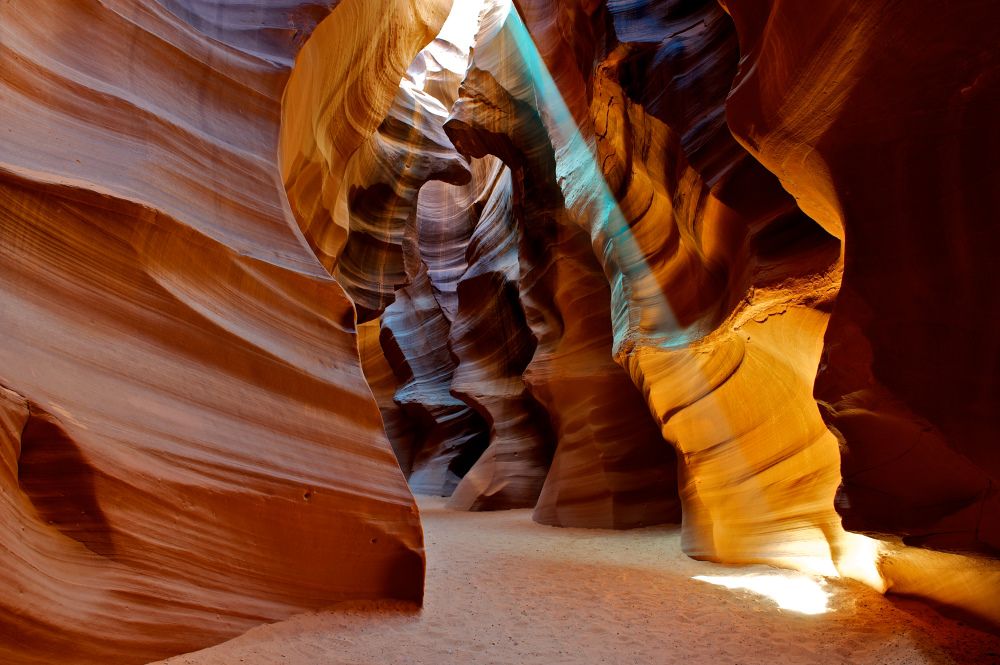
(797, 593)
(859, 560)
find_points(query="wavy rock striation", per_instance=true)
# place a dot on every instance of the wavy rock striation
(491, 338)
(610, 466)
(571, 288)
(384, 382)
(422, 206)
(898, 164)
(385, 176)
(189, 447)
(722, 288)
(450, 435)
(719, 285)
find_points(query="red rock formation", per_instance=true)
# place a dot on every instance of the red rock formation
(188, 444)
(493, 343)
(595, 275)
(385, 175)
(426, 227)
(880, 120)
(697, 263)
(341, 90)
(450, 436)
(729, 348)
(610, 467)
(720, 319)
(383, 381)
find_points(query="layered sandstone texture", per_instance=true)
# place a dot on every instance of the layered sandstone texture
(410, 219)
(189, 446)
(621, 262)
(720, 287)
(880, 120)
(493, 313)
(615, 120)
(610, 466)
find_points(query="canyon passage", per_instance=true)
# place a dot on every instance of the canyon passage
(433, 331)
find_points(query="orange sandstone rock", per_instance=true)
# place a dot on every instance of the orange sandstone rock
(189, 447)
(879, 120)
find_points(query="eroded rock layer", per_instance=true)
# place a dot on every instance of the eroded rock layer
(570, 286)
(189, 447)
(411, 216)
(384, 381)
(611, 468)
(720, 287)
(892, 147)
(491, 338)
(386, 175)
(450, 435)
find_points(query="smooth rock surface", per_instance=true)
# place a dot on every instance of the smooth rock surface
(880, 120)
(189, 445)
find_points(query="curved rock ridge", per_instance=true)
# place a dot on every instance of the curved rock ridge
(446, 219)
(386, 175)
(441, 336)
(722, 288)
(900, 163)
(408, 355)
(621, 261)
(727, 346)
(719, 285)
(340, 92)
(384, 382)
(449, 435)
(431, 219)
(491, 339)
(189, 447)
(610, 468)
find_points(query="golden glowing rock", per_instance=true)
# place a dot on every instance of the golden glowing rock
(610, 468)
(621, 262)
(892, 149)
(342, 88)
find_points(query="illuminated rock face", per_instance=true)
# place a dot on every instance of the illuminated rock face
(744, 279)
(891, 147)
(570, 287)
(411, 219)
(189, 447)
(720, 286)
(611, 468)
(499, 328)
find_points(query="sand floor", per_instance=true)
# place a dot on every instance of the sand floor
(502, 589)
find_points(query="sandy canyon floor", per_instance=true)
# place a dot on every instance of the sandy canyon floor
(502, 589)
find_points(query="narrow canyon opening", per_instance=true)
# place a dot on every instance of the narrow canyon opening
(509, 372)
(587, 298)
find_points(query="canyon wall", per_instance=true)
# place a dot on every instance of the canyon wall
(723, 325)
(720, 287)
(879, 118)
(189, 446)
(495, 314)
(621, 262)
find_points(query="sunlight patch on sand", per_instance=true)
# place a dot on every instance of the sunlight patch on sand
(791, 591)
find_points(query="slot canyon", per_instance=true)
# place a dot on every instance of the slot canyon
(499, 331)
